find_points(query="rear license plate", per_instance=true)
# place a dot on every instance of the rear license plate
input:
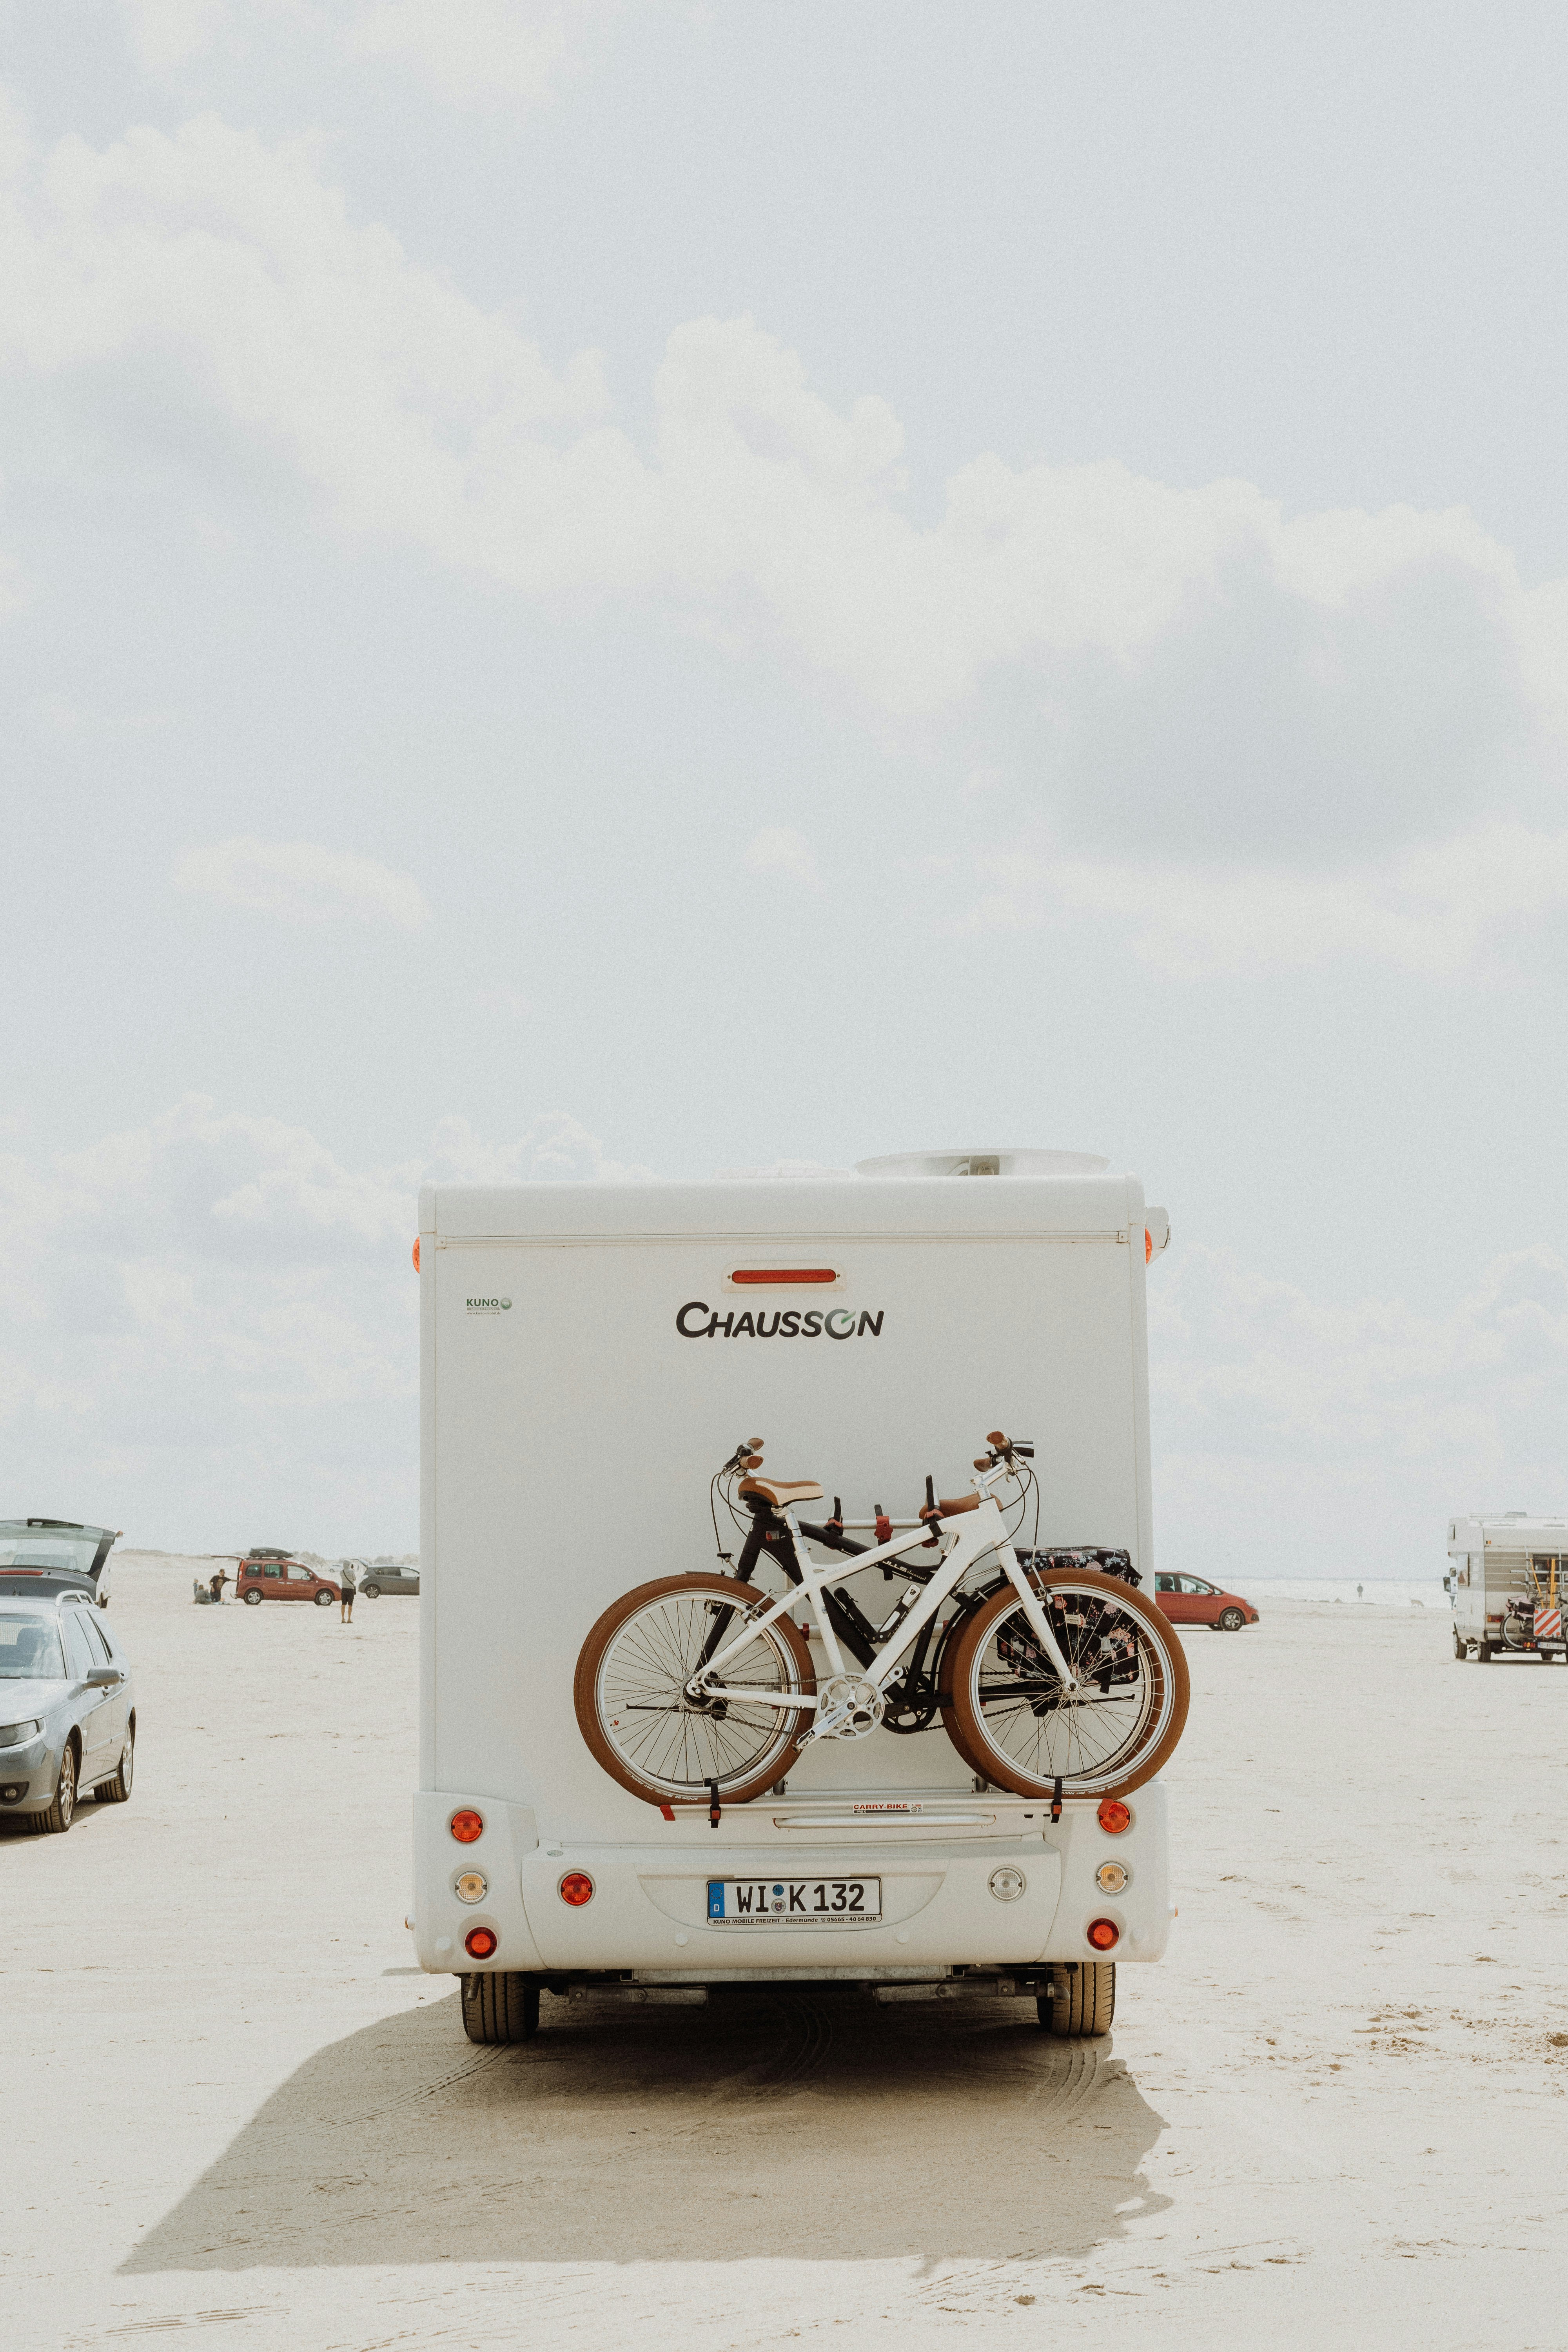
(794, 1901)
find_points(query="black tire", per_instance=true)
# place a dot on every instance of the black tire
(62, 1813)
(117, 1789)
(253, 1599)
(1483, 1654)
(1461, 1649)
(371, 1592)
(1083, 2000)
(325, 1599)
(500, 2005)
(1229, 1620)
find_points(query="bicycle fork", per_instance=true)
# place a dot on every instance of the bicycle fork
(1039, 1623)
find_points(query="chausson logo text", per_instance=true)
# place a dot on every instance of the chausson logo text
(838, 1323)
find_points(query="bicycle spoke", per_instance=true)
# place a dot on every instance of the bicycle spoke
(645, 1713)
(1083, 1737)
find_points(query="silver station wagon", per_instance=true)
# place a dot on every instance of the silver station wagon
(68, 1704)
(385, 1576)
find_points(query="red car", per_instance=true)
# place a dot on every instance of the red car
(282, 1580)
(1188, 1601)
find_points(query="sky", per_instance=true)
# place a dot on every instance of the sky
(603, 586)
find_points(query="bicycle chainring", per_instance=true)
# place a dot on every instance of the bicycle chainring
(848, 1707)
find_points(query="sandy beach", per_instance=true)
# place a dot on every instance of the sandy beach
(1333, 2114)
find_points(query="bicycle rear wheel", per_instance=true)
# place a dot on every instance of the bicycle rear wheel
(1005, 1705)
(630, 1692)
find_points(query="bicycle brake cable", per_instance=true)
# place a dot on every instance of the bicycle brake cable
(714, 1514)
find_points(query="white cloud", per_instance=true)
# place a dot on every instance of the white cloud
(476, 54)
(555, 1149)
(479, 53)
(212, 1324)
(301, 882)
(1178, 674)
(1434, 910)
(778, 850)
(168, 32)
(1294, 1434)
(510, 1001)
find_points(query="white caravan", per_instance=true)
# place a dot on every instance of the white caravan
(1508, 1579)
(591, 1356)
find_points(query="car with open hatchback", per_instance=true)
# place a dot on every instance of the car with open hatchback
(68, 1703)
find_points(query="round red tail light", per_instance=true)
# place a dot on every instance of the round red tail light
(1113, 1816)
(1104, 1935)
(467, 1825)
(480, 1942)
(576, 1888)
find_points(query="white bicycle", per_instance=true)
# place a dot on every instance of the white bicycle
(1053, 1682)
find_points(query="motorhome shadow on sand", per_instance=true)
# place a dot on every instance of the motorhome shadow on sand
(592, 1356)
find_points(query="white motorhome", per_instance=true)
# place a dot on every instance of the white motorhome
(591, 1354)
(1507, 1577)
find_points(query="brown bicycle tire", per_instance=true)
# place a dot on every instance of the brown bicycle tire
(943, 1675)
(740, 1596)
(968, 1734)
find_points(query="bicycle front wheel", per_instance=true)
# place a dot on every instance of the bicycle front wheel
(632, 1708)
(1005, 1706)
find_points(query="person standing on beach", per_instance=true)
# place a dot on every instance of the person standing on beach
(347, 1589)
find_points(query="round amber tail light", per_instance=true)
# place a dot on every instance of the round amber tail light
(1104, 1935)
(576, 1888)
(467, 1825)
(480, 1942)
(1114, 1816)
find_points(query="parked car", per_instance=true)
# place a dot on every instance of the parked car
(68, 1704)
(280, 1579)
(1188, 1601)
(49, 1546)
(386, 1576)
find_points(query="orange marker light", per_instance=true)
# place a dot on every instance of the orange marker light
(1113, 1816)
(415, 1253)
(1104, 1935)
(576, 1888)
(1148, 1245)
(467, 1825)
(480, 1942)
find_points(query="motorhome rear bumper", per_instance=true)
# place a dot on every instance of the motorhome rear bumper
(648, 1906)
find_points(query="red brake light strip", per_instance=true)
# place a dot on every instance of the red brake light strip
(771, 1274)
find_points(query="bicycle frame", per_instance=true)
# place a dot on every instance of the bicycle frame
(973, 1535)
